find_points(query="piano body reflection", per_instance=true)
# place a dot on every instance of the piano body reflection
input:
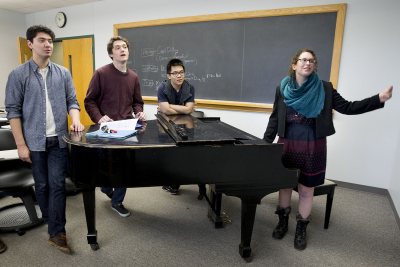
(181, 150)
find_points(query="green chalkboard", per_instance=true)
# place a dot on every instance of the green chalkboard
(233, 60)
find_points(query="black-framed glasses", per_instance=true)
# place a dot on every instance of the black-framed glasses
(305, 60)
(176, 73)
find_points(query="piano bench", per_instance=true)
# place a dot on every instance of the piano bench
(328, 189)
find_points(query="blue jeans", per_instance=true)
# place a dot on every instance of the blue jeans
(49, 171)
(118, 194)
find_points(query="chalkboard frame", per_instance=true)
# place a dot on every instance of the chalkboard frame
(339, 9)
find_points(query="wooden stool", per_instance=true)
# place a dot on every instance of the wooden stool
(328, 189)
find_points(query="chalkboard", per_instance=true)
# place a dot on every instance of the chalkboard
(234, 60)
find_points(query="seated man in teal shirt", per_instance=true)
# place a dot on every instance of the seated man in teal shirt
(175, 96)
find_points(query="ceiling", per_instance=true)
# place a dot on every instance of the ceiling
(31, 6)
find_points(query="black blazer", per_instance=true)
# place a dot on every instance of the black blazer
(324, 122)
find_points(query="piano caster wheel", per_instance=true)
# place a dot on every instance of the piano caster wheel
(245, 252)
(94, 246)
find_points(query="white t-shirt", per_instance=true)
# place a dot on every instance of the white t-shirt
(50, 123)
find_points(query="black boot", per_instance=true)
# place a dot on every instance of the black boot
(282, 227)
(300, 239)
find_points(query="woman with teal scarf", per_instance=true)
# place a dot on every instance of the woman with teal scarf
(302, 118)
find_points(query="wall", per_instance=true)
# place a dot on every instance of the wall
(12, 25)
(365, 149)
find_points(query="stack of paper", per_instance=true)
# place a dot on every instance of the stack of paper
(118, 129)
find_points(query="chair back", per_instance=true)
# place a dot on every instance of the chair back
(7, 141)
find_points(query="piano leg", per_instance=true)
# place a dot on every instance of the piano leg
(89, 203)
(249, 206)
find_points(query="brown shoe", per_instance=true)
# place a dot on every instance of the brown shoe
(60, 241)
(3, 246)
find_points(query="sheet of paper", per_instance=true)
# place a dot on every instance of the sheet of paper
(121, 125)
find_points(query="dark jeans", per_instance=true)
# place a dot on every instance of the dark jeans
(49, 172)
(118, 194)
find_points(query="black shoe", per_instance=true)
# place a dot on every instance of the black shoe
(300, 238)
(173, 191)
(282, 227)
(60, 242)
(121, 210)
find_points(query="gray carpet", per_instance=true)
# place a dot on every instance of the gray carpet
(166, 230)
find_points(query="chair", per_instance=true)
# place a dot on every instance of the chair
(16, 180)
(328, 189)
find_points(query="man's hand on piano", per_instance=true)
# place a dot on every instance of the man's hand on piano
(140, 116)
(24, 154)
(77, 126)
(105, 118)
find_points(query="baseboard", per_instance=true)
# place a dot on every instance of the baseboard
(374, 190)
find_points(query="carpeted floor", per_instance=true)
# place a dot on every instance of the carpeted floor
(167, 230)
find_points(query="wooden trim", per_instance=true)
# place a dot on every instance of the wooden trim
(249, 106)
(337, 45)
(220, 104)
(236, 15)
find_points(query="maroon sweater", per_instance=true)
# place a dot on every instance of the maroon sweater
(113, 93)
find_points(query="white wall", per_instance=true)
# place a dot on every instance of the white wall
(12, 25)
(365, 149)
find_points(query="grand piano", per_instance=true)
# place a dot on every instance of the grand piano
(181, 149)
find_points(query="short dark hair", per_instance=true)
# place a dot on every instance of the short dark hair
(32, 31)
(296, 57)
(174, 62)
(110, 44)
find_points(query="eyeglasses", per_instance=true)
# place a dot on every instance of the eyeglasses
(305, 60)
(176, 73)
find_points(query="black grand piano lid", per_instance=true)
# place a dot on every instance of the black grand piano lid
(188, 130)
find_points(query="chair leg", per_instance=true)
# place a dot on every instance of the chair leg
(29, 202)
(329, 201)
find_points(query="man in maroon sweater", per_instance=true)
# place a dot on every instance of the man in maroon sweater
(114, 94)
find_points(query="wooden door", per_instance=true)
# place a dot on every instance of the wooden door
(78, 58)
(25, 52)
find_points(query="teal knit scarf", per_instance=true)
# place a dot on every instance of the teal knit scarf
(308, 99)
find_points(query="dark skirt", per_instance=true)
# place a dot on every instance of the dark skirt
(301, 149)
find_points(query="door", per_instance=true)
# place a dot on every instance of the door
(78, 58)
(25, 52)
